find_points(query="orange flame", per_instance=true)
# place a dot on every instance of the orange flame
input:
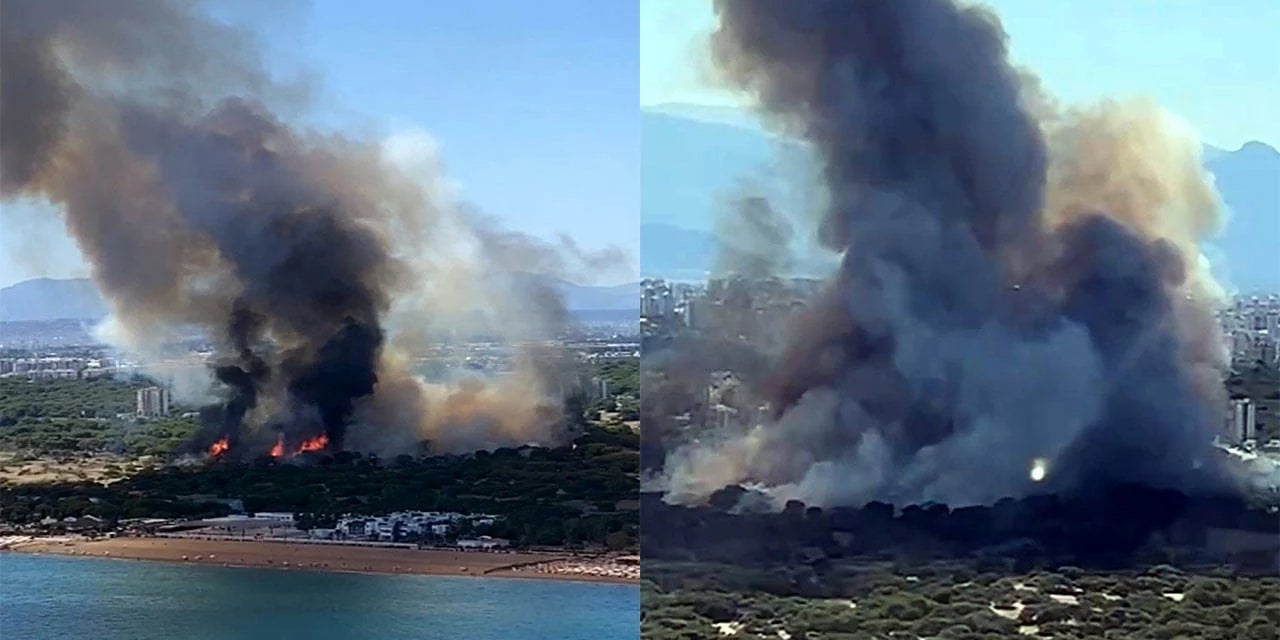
(278, 450)
(317, 443)
(220, 447)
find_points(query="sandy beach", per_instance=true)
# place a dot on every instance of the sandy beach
(287, 556)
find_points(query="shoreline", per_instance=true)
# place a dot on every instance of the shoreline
(281, 555)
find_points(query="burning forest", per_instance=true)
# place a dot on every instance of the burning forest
(1020, 304)
(317, 261)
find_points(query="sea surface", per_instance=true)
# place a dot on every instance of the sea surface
(48, 597)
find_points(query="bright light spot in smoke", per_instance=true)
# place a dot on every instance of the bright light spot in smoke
(1039, 467)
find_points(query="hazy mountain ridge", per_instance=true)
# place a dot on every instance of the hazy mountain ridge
(46, 299)
(619, 297)
(1249, 181)
(692, 157)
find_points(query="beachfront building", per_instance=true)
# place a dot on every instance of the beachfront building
(408, 525)
(483, 542)
(260, 525)
(276, 516)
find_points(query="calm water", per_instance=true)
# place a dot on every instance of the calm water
(43, 598)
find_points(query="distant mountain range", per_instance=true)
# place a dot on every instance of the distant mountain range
(46, 299)
(693, 157)
(577, 298)
(1249, 181)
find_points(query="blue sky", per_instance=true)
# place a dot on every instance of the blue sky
(533, 104)
(1213, 63)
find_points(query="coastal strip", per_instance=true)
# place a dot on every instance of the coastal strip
(335, 558)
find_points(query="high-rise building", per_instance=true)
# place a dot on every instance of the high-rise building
(601, 387)
(1242, 420)
(153, 402)
(692, 313)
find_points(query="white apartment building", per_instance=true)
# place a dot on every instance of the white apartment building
(412, 523)
(153, 402)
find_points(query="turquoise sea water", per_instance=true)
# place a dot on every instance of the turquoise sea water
(46, 598)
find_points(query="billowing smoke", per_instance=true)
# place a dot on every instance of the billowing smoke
(313, 259)
(1020, 296)
(755, 239)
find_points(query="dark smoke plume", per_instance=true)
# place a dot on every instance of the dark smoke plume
(156, 131)
(1020, 297)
